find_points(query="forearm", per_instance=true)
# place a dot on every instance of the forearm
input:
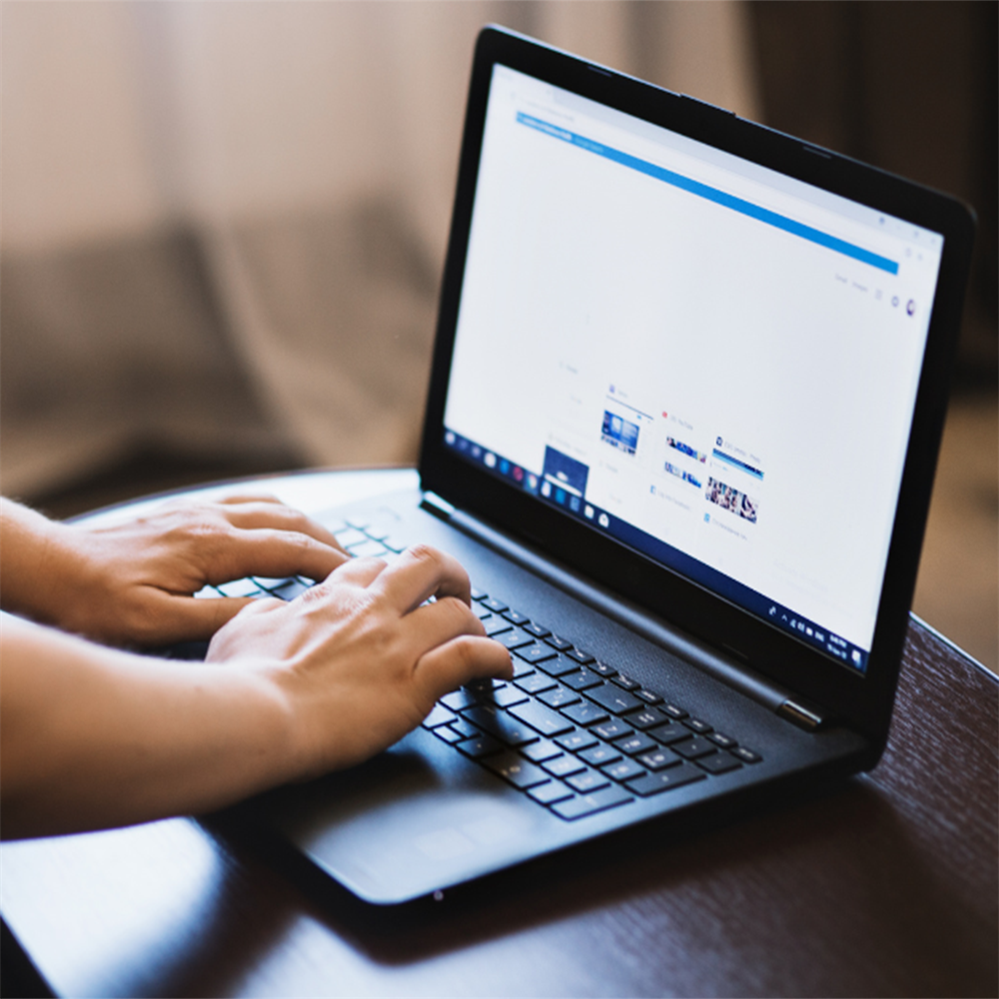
(92, 737)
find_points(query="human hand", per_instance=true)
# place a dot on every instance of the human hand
(133, 583)
(361, 659)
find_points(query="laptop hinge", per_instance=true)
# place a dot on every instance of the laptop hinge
(747, 681)
(809, 718)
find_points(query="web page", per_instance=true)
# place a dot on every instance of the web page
(718, 357)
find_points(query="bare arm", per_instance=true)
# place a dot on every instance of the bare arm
(93, 737)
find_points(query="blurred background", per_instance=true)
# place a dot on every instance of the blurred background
(223, 225)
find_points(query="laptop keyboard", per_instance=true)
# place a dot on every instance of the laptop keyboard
(569, 730)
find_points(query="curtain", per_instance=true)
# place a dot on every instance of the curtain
(224, 224)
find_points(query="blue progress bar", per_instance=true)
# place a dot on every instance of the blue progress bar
(714, 195)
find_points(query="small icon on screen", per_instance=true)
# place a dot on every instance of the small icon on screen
(588, 512)
(603, 520)
(910, 307)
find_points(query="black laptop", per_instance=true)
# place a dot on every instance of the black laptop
(687, 394)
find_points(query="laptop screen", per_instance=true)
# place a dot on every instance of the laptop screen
(711, 362)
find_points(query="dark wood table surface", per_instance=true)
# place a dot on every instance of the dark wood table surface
(886, 884)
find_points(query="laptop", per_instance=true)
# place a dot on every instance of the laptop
(687, 393)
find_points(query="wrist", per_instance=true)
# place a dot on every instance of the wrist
(40, 563)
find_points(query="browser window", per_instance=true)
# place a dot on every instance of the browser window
(712, 362)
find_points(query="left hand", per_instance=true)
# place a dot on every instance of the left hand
(133, 583)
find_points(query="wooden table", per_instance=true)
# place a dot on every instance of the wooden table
(884, 885)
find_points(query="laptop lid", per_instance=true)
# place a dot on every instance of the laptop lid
(700, 362)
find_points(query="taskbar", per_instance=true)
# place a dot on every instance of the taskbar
(573, 504)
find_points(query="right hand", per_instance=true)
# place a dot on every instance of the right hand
(361, 659)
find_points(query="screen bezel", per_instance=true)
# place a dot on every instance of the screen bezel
(862, 700)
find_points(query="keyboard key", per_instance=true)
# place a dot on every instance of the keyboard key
(719, 763)
(499, 724)
(479, 746)
(368, 549)
(270, 582)
(698, 726)
(669, 734)
(584, 713)
(506, 697)
(599, 755)
(626, 682)
(479, 594)
(495, 626)
(293, 588)
(210, 593)
(602, 668)
(623, 770)
(535, 654)
(515, 617)
(465, 729)
(613, 729)
(460, 699)
(673, 711)
(614, 699)
(350, 536)
(563, 766)
(481, 613)
(666, 780)
(520, 668)
(496, 606)
(588, 804)
(559, 697)
(558, 666)
(538, 752)
(546, 721)
(514, 768)
(537, 630)
(581, 680)
(635, 744)
(746, 755)
(584, 783)
(440, 715)
(239, 588)
(649, 696)
(513, 639)
(691, 749)
(645, 718)
(575, 741)
(448, 734)
(581, 657)
(658, 759)
(725, 741)
(558, 644)
(548, 794)
(535, 683)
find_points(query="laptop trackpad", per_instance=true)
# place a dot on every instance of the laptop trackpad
(416, 818)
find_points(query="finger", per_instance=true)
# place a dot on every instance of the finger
(234, 498)
(176, 619)
(434, 624)
(271, 553)
(421, 572)
(354, 571)
(256, 514)
(460, 661)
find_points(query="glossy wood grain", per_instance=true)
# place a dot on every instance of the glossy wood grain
(884, 885)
